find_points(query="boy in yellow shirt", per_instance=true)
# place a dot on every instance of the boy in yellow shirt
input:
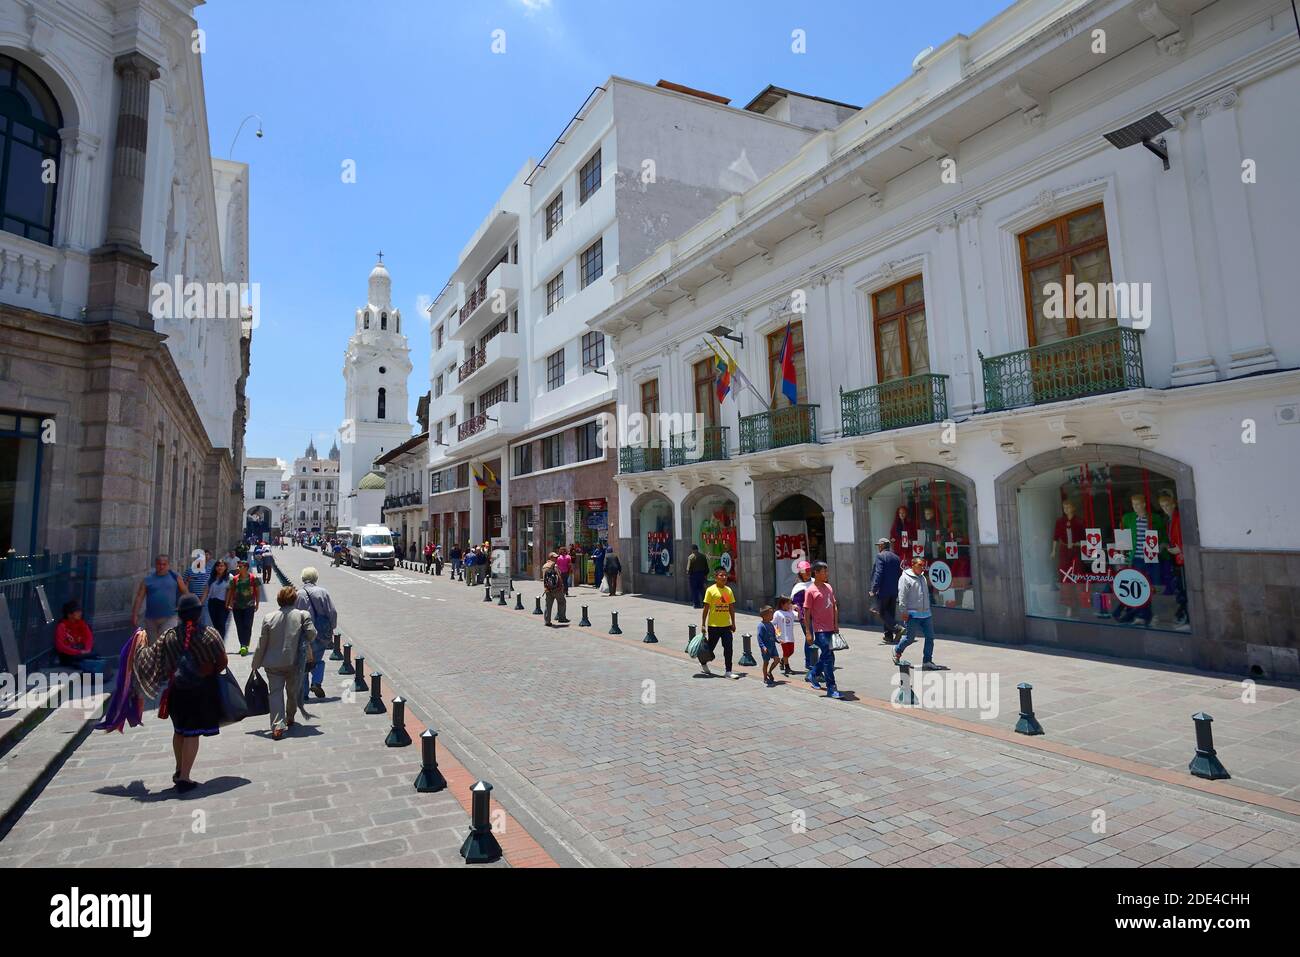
(719, 619)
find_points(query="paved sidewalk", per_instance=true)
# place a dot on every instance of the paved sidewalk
(329, 794)
(623, 755)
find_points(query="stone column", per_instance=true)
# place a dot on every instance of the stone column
(120, 268)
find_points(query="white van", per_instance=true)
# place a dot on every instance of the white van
(371, 546)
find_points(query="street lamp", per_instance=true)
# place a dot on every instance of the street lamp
(250, 116)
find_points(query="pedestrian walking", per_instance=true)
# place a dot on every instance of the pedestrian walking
(160, 594)
(316, 601)
(697, 574)
(428, 556)
(719, 620)
(787, 626)
(455, 555)
(613, 568)
(437, 560)
(214, 597)
(187, 659)
(196, 582)
(914, 602)
(803, 578)
(553, 587)
(564, 564)
(821, 620)
(284, 650)
(598, 563)
(242, 598)
(767, 644)
(885, 572)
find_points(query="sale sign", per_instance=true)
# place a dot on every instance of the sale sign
(950, 550)
(918, 550)
(1117, 554)
(1151, 547)
(905, 542)
(1091, 542)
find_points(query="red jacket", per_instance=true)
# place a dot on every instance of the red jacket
(73, 637)
(1176, 535)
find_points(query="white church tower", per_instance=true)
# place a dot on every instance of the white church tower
(375, 369)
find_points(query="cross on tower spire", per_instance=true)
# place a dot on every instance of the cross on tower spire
(381, 255)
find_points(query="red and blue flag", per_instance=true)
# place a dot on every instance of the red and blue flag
(789, 380)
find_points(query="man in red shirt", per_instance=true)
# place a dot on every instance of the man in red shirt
(821, 620)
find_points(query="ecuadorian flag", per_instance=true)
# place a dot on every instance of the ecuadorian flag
(723, 379)
(789, 380)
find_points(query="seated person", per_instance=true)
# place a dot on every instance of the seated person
(73, 639)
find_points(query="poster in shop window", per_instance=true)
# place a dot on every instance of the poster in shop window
(791, 540)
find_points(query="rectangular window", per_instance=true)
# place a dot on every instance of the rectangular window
(435, 482)
(554, 293)
(515, 388)
(587, 441)
(592, 264)
(451, 421)
(554, 214)
(462, 475)
(553, 451)
(593, 350)
(439, 432)
(554, 370)
(706, 395)
(554, 528)
(438, 335)
(1072, 245)
(589, 178)
(437, 387)
(261, 490)
(498, 393)
(775, 342)
(898, 315)
(650, 398)
(523, 458)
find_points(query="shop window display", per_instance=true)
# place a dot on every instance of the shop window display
(1103, 543)
(656, 524)
(713, 527)
(930, 519)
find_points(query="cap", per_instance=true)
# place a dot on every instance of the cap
(803, 566)
(882, 541)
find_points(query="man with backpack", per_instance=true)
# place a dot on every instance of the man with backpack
(553, 585)
(159, 593)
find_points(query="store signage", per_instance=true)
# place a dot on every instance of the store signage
(905, 542)
(950, 550)
(1091, 543)
(1116, 554)
(940, 576)
(1131, 587)
(918, 550)
(1151, 547)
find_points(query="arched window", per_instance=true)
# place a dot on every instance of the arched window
(383, 403)
(367, 319)
(383, 321)
(29, 137)
(398, 320)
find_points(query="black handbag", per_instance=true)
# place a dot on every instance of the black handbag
(257, 696)
(233, 706)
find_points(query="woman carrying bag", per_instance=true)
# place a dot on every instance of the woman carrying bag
(284, 650)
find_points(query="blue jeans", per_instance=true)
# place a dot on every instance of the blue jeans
(824, 670)
(697, 591)
(316, 676)
(926, 627)
(809, 657)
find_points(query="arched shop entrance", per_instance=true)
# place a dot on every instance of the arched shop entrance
(711, 519)
(798, 534)
(926, 511)
(653, 565)
(1104, 555)
(258, 521)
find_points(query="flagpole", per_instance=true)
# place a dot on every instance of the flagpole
(740, 374)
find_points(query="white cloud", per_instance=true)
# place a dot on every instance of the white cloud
(422, 303)
(534, 6)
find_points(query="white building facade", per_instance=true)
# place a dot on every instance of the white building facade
(376, 367)
(262, 495)
(1106, 483)
(314, 496)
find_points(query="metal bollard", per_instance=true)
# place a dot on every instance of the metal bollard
(398, 736)
(346, 667)
(537, 606)
(690, 632)
(376, 703)
(613, 624)
(649, 638)
(747, 656)
(337, 653)
(501, 598)
(487, 592)
(519, 601)
(903, 695)
(481, 845)
(1027, 724)
(429, 779)
(584, 622)
(359, 683)
(1206, 764)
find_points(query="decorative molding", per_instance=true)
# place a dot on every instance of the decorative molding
(875, 194)
(1008, 440)
(1066, 429)
(1171, 30)
(1029, 100)
(1222, 100)
(817, 224)
(937, 146)
(952, 218)
(760, 249)
(1141, 419)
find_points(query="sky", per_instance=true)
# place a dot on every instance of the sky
(437, 124)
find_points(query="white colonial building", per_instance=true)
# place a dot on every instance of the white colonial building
(262, 495)
(376, 366)
(1112, 480)
(313, 498)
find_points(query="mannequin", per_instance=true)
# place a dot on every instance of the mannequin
(1138, 522)
(1067, 543)
(902, 523)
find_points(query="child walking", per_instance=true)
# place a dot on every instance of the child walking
(767, 644)
(787, 626)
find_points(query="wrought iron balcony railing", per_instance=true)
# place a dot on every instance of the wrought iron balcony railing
(777, 428)
(471, 426)
(405, 500)
(639, 459)
(897, 404)
(472, 364)
(1091, 364)
(475, 299)
(703, 445)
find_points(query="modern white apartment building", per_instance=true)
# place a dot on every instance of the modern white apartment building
(519, 380)
(1112, 481)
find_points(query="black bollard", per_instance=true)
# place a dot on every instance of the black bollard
(501, 598)
(519, 601)
(359, 683)
(903, 695)
(337, 653)
(1027, 724)
(398, 737)
(690, 636)
(346, 667)
(1206, 764)
(584, 622)
(376, 703)
(537, 607)
(487, 592)
(481, 845)
(429, 779)
(613, 624)
(747, 656)
(650, 638)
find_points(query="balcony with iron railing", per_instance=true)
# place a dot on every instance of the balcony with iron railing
(405, 500)
(471, 365)
(1090, 364)
(897, 404)
(632, 459)
(778, 428)
(475, 298)
(709, 444)
(488, 302)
